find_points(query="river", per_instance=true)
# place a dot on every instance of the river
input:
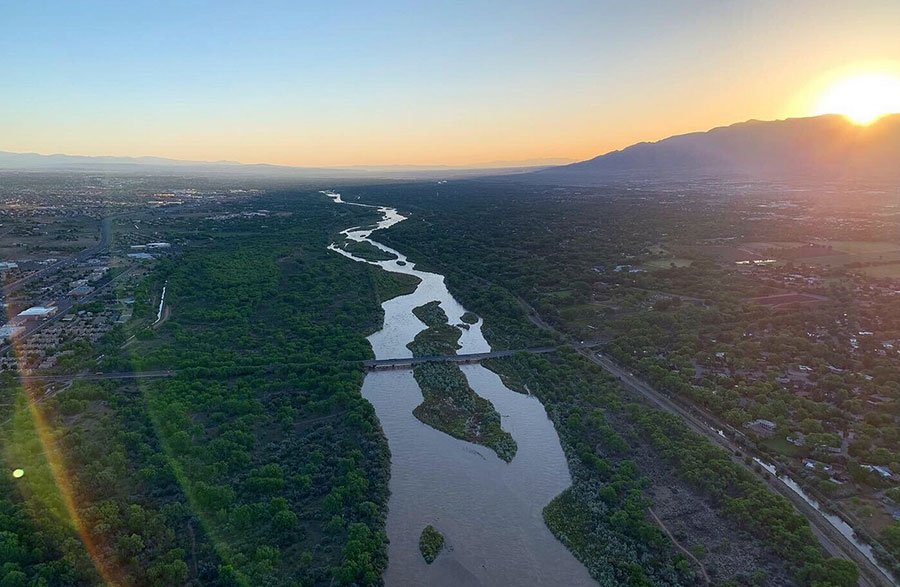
(489, 511)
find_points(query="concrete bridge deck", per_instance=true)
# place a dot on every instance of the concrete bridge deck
(369, 365)
(407, 362)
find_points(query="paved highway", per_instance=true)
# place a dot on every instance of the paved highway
(105, 233)
(62, 307)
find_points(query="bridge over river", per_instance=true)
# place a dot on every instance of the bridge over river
(405, 363)
(369, 364)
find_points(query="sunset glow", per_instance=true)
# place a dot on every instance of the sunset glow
(438, 293)
(862, 98)
(455, 84)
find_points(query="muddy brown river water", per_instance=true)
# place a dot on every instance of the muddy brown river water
(488, 511)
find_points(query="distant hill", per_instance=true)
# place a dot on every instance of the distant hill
(821, 147)
(158, 165)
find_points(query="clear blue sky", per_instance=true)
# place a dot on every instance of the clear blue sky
(412, 82)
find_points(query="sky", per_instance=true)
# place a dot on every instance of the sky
(383, 83)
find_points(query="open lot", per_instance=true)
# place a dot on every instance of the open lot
(890, 271)
(862, 247)
(656, 264)
(37, 238)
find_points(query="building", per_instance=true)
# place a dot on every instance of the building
(797, 439)
(767, 424)
(81, 290)
(9, 331)
(885, 472)
(36, 313)
(761, 426)
(7, 265)
(816, 466)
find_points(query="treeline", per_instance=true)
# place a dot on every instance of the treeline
(91, 463)
(569, 253)
(743, 497)
(581, 397)
(601, 518)
(259, 464)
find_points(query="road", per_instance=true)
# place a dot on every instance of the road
(62, 307)
(105, 234)
(99, 376)
(834, 543)
(372, 364)
(379, 364)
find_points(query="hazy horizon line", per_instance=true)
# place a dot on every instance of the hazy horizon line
(498, 163)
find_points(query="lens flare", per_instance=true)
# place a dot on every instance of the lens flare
(862, 98)
(52, 455)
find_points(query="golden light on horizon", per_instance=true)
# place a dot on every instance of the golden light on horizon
(862, 98)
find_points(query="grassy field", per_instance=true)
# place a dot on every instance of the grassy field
(883, 271)
(765, 246)
(656, 264)
(781, 446)
(861, 247)
(841, 259)
(42, 237)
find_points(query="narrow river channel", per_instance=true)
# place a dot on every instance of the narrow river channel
(489, 511)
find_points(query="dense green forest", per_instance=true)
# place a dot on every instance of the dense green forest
(529, 261)
(602, 516)
(258, 464)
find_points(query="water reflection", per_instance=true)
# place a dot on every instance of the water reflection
(489, 511)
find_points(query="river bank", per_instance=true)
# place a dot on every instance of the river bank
(488, 510)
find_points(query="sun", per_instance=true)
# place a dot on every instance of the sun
(862, 98)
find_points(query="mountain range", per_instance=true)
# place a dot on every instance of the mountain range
(827, 147)
(822, 147)
(159, 165)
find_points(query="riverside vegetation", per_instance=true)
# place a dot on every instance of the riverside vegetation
(431, 543)
(605, 436)
(366, 251)
(258, 464)
(547, 250)
(449, 404)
